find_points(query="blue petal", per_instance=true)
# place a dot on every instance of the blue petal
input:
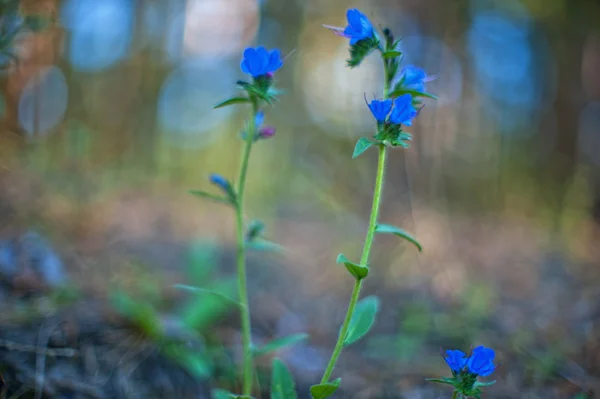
(259, 119)
(355, 19)
(275, 61)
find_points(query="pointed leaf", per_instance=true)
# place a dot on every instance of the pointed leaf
(264, 245)
(213, 197)
(362, 145)
(442, 380)
(391, 54)
(221, 394)
(362, 319)
(359, 272)
(206, 291)
(397, 231)
(322, 391)
(280, 343)
(415, 93)
(483, 384)
(232, 101)
(282, 382)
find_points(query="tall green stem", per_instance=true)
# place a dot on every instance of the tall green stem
(241, 257)
(455, 395)
(363, 261)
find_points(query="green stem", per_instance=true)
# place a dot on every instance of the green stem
(363, 261)
(241, 257)
(455, 395)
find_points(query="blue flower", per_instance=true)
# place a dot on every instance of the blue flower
(259, 119)
(380, 109)
(359, 27)
(414, 78)
(403, 111)
(258, 61)
(219, 181)
(456, 359)
(481, 361)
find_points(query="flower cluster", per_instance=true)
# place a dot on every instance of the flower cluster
(466, 370)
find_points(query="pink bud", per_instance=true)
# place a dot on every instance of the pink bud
(266, 132)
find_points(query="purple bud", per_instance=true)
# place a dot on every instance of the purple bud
(269, 75)
(266, 132)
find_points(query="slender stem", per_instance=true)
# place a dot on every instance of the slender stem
(455, 395)
(241, 257)
(363, 261)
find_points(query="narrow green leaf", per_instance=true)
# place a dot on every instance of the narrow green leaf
(193, 362)
(397, 231)
(213, 197)
(232, 101)
(280, 343)
(362, 319)
(415, 93)
(442, 380)
(282, 382)
(198, 290)
(359, 272)
(242, 397)
(362, 145)
(322, 391)
(391, 54)
(483, 384)
(264, 245)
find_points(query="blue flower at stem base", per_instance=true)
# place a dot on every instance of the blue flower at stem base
(380, 109)
(403, 111)
(259, 61)
(359, 27)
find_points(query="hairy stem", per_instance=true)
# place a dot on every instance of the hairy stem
(363, 261)
(248, 371)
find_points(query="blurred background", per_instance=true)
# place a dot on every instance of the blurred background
(107, 122)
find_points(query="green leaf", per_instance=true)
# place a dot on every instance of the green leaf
(279, 343)
(264, 245)
(213, 197)
(362, 319)
(415, 93)
(203, 310)
(359, 272)
(232, 101)
(397, 231)
(140, 313)
(206, 291)
(282, 382)
(483, 384)
(255, 229)
(391, 54)
(362, 145)
(322, 391)
(442, 380)
(360, 50)
(223, 394)
(193, 362)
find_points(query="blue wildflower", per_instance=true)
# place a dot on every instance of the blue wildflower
(259, 119)
(359, 27)
(414, 78)
(403, 111)
(259, 61)
(456, 360)
(219, 181)
(380, 109)
(481, 361)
